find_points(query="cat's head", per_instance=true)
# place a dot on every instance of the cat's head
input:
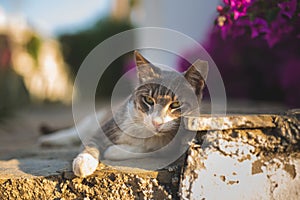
(163, 96)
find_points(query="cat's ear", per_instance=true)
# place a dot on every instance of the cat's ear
(196, 75)
(146, 71)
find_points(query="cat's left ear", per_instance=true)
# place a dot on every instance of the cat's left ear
(146, 71)
(196, 75)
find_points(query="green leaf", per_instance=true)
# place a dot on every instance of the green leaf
(272, 14)
(33, 47)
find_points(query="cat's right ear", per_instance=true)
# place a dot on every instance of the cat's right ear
(146, 71)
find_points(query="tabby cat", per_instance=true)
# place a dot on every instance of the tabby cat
(149, 119)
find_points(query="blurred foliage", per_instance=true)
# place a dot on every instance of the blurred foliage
(77, 46)
(32, 69)
(33, 47)
(12, 90)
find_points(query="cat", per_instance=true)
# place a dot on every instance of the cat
(147, 121)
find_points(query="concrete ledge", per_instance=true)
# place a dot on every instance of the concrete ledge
(38, 177)
(237, 156)
(104, 184)
(226, 122)
(236, 173)
(243, 158)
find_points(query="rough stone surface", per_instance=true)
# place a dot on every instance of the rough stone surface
(46, 174)
(236, 156)
(238, 121)
(225, 122)
(104, 184)
(243, 159)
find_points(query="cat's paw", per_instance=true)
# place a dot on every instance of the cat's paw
(84, 164)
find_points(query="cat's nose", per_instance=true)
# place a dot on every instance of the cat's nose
(157, 122)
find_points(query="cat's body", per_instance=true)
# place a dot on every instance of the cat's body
(147, 121)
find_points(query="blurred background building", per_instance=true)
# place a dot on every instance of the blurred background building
(42, 45)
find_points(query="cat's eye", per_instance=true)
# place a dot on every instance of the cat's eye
(175, 105)
(149, 100)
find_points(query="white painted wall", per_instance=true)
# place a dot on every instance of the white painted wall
(192, 17)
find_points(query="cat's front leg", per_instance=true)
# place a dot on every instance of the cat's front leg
(86, 162)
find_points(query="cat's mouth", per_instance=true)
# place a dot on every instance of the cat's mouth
(162, 129)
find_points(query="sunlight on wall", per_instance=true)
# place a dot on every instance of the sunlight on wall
(39, 61)
(48, 81)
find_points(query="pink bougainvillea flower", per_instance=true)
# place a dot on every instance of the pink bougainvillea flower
(258, 26)
(238, 28)
(220, 9)
(226, 2)
(278, 29)
(288, 8)
(275, 25)
(237, 14)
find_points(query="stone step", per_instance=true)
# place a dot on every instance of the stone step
(207, 122)
(47, 174)
(238, 121)
(237, 155)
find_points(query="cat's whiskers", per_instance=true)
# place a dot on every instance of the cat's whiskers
(137, 125)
